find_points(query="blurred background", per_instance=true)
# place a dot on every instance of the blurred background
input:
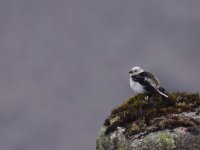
(64, 64)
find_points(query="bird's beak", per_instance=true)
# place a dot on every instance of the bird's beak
(130, 72)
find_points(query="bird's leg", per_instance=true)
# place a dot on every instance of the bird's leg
(146, 98)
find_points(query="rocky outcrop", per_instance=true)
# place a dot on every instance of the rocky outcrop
(156, 123)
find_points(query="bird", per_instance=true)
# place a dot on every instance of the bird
(144, 82)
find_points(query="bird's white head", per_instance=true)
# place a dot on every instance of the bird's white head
(135, 71)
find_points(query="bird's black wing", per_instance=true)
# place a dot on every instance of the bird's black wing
(153, 81)
(142, 80)
(151, 78)
(149, 82)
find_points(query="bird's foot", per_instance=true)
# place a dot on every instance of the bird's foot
(146, 98)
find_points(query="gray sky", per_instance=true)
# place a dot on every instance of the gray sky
(64, 64)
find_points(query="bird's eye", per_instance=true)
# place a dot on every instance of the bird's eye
(135, 71)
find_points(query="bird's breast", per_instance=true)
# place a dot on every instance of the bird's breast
(136, 86)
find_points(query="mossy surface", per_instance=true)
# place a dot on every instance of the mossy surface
(163, 140)
(141, 114)
(108, 143)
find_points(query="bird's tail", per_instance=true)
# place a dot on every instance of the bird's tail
(162, 92)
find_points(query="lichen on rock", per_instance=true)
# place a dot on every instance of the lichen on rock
(142, 118)
(115, 141)
(158, 140)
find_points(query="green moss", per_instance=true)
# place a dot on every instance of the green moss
(163, 140)
(138, 114)
(121, 145)
(166, 140)
(103, 141)
(108, 143)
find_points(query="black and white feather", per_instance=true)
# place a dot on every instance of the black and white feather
(144, 82)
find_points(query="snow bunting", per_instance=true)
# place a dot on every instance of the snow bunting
(145, 82)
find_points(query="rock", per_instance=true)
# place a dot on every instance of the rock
(156, 123)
